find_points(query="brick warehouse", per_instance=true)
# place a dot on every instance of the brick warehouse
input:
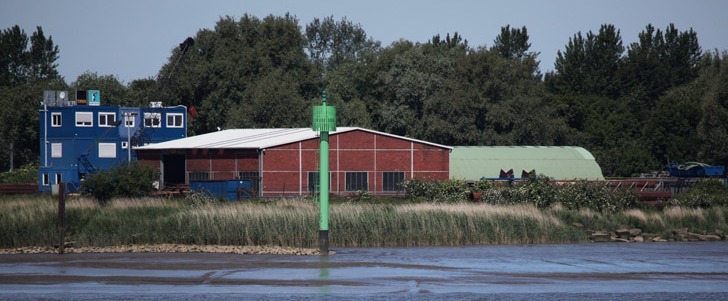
(284, 162)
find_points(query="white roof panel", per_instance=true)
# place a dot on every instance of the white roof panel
(258, 139)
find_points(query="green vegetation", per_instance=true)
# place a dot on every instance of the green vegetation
(634, 107)
(537, 190)
(30, 221)
(28, 173)
(131, 180)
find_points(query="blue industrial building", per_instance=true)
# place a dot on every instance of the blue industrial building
(81, 137)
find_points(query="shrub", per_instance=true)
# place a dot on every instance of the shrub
(595, 196)
(134, 180)
(200, 198)
(704, 195)
(26, 174)
(437, 191)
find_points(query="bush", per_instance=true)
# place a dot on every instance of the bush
(26, 174)
(704, 195)
(200, 198)
(134, 180)
(595, 196)
(437, 191)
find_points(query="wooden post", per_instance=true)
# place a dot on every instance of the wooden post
(61, 217)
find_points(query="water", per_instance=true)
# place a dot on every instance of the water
(609, 271)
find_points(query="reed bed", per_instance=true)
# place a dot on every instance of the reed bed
(30, 221)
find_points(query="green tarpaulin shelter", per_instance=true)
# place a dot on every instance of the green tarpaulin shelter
(556, 162)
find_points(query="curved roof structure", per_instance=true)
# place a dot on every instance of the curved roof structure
(557, 162)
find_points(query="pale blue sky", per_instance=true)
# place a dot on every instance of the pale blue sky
(132, 39)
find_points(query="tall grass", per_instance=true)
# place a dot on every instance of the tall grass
(445, 224)
(30, 221)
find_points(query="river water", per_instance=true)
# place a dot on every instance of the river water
(595, 271)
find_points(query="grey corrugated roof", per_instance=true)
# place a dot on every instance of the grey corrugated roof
(259, 138)
(557, 162)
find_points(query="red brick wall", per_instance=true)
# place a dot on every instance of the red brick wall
(247, 160)
(151, 158)
(287, 167)
(198, 161)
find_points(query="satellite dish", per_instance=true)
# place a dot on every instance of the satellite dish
(62, 94)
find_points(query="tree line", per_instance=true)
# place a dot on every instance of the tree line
(636, 107)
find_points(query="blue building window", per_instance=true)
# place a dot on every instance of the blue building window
(107, 119)
(56, 150)
(152, 120)
(84, 119)
(107, 150)
(174, 120)
(56, 120)
(129, 119)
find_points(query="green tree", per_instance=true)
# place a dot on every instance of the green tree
(659, 61)
(512, 43)
(42, 57)
(712, 128)
(670, 129)
(589, 65)
(14, 58)
(25, 71)
(113, 92)
(140, 92)
(331, 43)
(410, 78)
(224, 72)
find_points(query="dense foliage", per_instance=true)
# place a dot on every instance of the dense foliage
(705, 194)
(537, 190)
(636, 107)
(27, 173)
(134, 180)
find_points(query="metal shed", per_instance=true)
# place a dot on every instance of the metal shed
(284, 161)
(557, 162)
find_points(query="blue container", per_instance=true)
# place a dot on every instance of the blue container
(695, 169)
(714, 171)
(232, 190)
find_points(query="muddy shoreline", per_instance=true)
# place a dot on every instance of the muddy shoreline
(168, 248)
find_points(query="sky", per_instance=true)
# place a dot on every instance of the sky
(133, 39)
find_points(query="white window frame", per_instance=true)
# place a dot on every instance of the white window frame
(45, 179)
(57, 150)
(124, 144)
(56, 119)
(129, 120)
(174, 120)
(59, 178)
(152, 117)
(86, 115)
(104, 116)
(313, 178)
(199, 176)
(358, 177)
(107, 150)
(392, 176)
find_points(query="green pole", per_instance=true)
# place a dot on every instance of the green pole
(324, 185)
(324, 120)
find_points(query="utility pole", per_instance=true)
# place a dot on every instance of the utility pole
(127, 117)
